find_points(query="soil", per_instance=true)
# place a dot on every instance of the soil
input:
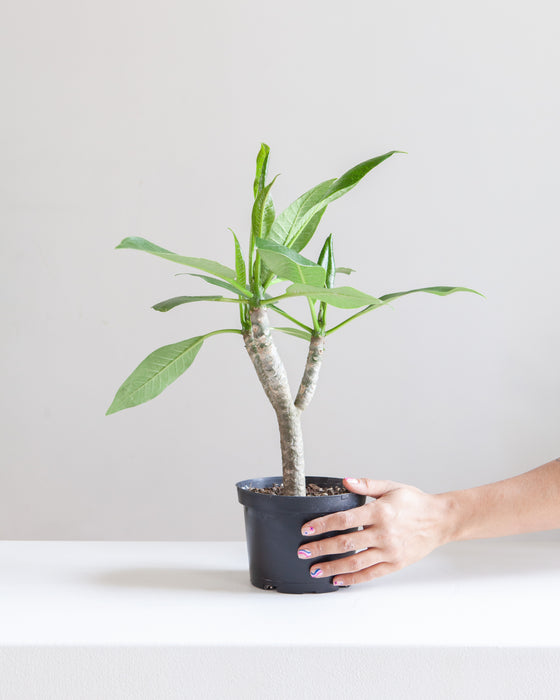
(312, 490)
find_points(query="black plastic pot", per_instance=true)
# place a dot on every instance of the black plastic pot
(273, 526)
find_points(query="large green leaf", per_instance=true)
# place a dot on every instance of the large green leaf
(289, 265)
(262, 163)
(341, 297)
(155, 373)
(441, 291)
(231, 286)
(337, 189)
(297, 332)
(285, 223)
(169, 304)
(215, 268)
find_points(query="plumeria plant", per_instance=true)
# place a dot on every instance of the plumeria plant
(274, 255)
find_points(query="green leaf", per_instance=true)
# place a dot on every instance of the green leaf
(230, 286)
(215, 268)
(344, 270)
(337, 189)
(289, 265)
(155, 373)
(341, 297)
(441, 291)
(169, 304)
(240, 269)
(285, 223)
(326, 260)
(262, 215)
(262, 164)
(351, 177)
(298, 332)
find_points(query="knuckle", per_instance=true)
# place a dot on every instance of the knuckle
(347, 543)
(385, 539)
(393, 547)
(317, 548)
(353, 563)
(385, 512)
(345, 520)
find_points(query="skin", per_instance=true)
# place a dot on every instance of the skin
(403, 524)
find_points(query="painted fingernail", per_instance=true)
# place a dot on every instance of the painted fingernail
(309, 531)
(316, 572)
(338, 582)
(304, 553)
(351, 480)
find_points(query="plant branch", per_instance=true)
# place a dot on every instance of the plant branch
(311, 373)
(274, 379)
(224, 330)
(371, 307)
(294, 320)
(313, 315)
(273, 300)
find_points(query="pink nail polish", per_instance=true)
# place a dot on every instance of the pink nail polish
(338, 582)
(309, 531)
(351, 480)
(316, 572)
(304, 553)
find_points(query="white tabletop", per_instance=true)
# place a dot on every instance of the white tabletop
(484, 593)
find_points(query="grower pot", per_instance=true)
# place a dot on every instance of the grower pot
(273, 527)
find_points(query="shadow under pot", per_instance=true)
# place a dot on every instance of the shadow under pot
(273, 528)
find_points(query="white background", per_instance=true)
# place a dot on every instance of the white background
(144, 118)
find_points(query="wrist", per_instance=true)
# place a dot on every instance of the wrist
(452, 516)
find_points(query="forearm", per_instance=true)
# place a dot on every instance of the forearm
(526, 503)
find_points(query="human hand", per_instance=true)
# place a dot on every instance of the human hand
(400, 527)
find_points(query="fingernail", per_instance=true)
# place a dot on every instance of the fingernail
(351, 480)
(304, 553)
(309, 531)
(316, 572)
(338, 582)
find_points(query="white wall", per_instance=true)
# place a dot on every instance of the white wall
(144, 118)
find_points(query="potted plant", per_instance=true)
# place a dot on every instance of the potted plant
(275, 507)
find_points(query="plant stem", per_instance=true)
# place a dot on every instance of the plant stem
(351, 318)
(274, 379)
(257, 270)
(313, 315)
(294, 320)
(272, 300)
(311, 372)
(227, 300)
(224, 330)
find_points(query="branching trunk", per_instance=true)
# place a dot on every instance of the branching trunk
(311, 373)
(274, 379)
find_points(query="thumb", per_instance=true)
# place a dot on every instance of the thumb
(369, 487)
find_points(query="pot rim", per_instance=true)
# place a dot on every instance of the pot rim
(296, 503)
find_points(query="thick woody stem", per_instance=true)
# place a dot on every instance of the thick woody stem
(311, 373)
(274, 379)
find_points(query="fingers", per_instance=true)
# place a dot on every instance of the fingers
(356, 517)
(344, 568)
(369, 487)
(342, 520)
(349, 542)
(372, 572)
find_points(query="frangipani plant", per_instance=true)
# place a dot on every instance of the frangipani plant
(274, 255)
